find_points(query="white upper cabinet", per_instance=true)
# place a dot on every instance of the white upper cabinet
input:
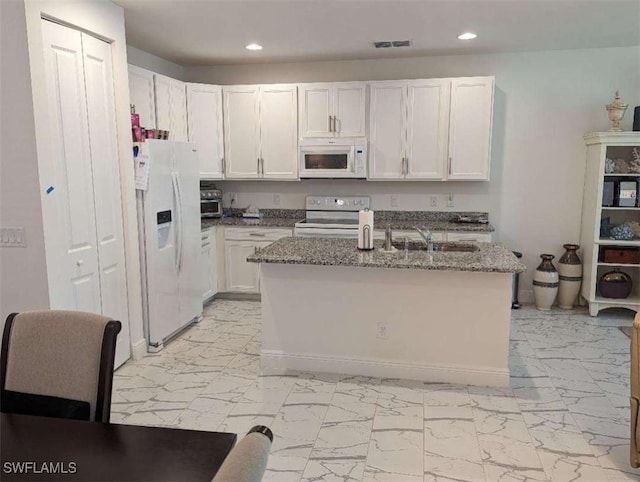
(333, 109)
(387, 130)
(204, 122)
(427, 129)
(241, 131)
(434, 129)
(171, 107)
(142, 96)
(278, 132)
(260, 126)
(470, 128)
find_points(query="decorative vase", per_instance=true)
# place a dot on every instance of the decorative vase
(545, 283)
(615, 284)
(570, 274)
(616, 112)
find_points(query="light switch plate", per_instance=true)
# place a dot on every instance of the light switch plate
(434, 201)
(394, 201)
(450, 202)
(12, 238)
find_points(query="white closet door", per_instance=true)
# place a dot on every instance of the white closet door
(427, 128)
(387, 130)
(278, 131)
(106, 186)
(68, 213)
(241, 133)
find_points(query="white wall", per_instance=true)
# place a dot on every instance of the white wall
(156, 64)
(23, 271)
(103, 19)
(544, 103)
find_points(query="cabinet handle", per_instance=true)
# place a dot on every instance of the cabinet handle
(223, 166)
(259, 235)
(335, 124)
(330, 120)
(262, 163)
(449, 165)
(258, 166)
(407, 165)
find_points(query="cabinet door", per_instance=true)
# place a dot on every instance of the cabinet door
(178, 131)
(68, 214)
(241, 275)
(315, 108)
(387, 130)
(470, 128)
(162, 90)
(349, 109)
(427, 128)
(278, 131)
(241, 131)
(206, 265)
(141, 95)
(469, 236)
(204, 120)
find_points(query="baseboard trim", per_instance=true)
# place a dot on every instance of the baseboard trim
(139, 349)
(238, 296)
(277, 363)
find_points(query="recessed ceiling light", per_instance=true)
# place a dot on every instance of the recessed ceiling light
(467, 36)
(254, 47)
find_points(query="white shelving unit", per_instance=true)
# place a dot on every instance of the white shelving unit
(600, 146)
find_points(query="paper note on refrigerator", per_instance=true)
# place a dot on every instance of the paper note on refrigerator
(142, 166)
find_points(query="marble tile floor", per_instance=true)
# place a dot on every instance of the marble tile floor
(565, 416)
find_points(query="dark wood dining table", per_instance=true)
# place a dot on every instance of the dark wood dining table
(59, 449)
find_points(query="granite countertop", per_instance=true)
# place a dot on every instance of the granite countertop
(398, 220)
(491, 257)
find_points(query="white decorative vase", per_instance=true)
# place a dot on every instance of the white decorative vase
(616, 112)
(570, 273)
(545, 283)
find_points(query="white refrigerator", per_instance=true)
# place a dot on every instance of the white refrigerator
(169, 223)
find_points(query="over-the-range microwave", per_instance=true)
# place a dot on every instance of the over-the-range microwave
(333, 158)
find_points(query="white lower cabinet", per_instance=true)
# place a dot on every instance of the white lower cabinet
(240, 243)
(400, 235)
(208, 261)
(469, 236)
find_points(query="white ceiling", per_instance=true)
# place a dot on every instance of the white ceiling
(208, 32)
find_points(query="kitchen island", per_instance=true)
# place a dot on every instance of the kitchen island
(438, 317)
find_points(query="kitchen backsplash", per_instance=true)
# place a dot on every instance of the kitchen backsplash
(390, 196)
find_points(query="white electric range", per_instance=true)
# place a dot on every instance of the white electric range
(332, 216)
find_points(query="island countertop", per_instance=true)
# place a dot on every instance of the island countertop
(490, 257)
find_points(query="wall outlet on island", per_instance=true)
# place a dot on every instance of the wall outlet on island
(393, 201)
(383, 330)
(433, 201)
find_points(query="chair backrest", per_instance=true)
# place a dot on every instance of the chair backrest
(66, 354)
(247, 461)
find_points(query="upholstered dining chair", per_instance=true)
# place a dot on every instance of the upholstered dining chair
(248, 459)
(58, 364)
(635, 393)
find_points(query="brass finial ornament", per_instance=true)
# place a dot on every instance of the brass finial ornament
(616, 112)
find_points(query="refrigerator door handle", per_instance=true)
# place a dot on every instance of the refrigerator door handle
(176, 197)
(181, 251)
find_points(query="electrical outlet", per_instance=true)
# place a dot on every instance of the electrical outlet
(433, 200)
(383, 330)
(450, 202)
(233, 199)
(394, 201)
(276, 199)
(12, 238)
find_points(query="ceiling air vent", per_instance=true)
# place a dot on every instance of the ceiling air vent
(395, 43)
(401, 43)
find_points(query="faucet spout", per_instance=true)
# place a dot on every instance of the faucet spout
(427, 237)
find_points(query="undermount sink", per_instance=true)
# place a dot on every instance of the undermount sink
(441, 247)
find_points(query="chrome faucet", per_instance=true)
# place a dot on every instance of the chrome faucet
(427, 237)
